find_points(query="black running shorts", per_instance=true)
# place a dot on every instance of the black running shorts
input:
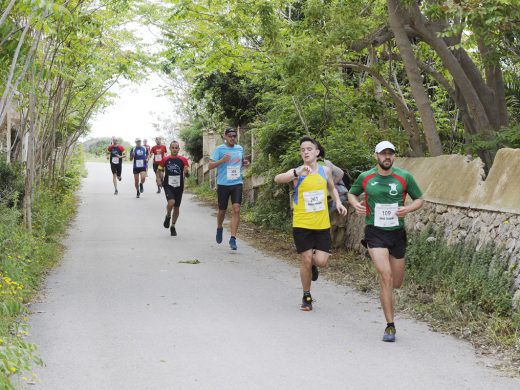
(226, 192)
(174, 193)
(139, 170)
(306, 239)
(393, 240)
(155, 166)
(116, 168)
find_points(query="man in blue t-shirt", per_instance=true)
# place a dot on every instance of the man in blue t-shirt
(139, 155)
(228, 158)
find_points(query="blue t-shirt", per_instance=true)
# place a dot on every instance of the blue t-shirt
(230, 173)
(139, 156)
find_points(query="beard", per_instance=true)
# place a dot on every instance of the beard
(383, 166)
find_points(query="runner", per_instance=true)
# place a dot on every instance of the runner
(147, 147)
(116, 153)
(386, 187)
(157, 153)
(174, 172)
(311, 222)
(228, 158)
(139, 156)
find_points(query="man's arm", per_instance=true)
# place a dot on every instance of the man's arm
(215, 163)
(359, 206)
(415, 205)
(286, 177)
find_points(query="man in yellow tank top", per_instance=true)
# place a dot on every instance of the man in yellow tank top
(311, 223)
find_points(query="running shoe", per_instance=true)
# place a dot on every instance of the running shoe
(141, 187)
(137, 196)
(389, 334)
(119, 178)
(158, 190)
(115, 192)
(306, 303)
(173, 232)
(219, 235)
(315, 273)
(166, 222)
(233, 243)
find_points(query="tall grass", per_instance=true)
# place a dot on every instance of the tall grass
(24, 259)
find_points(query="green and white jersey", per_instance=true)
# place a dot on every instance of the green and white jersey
(384, 194)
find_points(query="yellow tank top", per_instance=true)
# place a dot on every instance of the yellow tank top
(310, 209)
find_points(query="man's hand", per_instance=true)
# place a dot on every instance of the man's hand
(304, 170)
(226, 158)
(341, 209)
(360, 208)
(402, 211)
(245, 163)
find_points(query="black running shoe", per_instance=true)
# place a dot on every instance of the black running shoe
(315, 273)
(141, 187)
(119, 178)
(306, 303)
(137, 196)
(158, 190)
(115, 192)
(166, 223)
(173, 232)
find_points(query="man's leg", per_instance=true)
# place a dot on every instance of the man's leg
(136, 181)
(143, 176)
(221, 215)
(320, 258)
(398, 267)
(114, 180)
(305, 269)
(381, 259)
(235, 219)
(175, 215)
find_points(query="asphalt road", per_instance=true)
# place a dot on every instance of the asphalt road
(122, 312)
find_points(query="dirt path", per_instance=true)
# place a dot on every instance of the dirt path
(123, 312)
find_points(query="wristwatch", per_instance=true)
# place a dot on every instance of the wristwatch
(294, 173)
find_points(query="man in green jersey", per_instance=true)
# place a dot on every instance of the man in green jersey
(385, 188)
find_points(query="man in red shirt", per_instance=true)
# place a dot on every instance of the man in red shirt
(116, 153)
(174, 167)
(157, 154)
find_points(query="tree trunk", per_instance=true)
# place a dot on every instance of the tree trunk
(396, 22)
(4, 101)
(6, 11)
(475, 106)
(29, 175)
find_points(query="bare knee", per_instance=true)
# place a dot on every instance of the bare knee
(236, 208)
(386, 278)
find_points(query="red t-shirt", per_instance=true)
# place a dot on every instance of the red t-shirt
(158, 151)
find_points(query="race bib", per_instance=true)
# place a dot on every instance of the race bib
(384, 215)
(158, 157)
(233, 172)
(139, 163)
(115, 160)
(314, 201)
(174, 181)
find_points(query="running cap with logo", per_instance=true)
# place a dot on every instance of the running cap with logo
(230, 130)
(138, 139)
(384, 145)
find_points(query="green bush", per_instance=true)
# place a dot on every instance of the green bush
(11, 183)
(463, 287)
